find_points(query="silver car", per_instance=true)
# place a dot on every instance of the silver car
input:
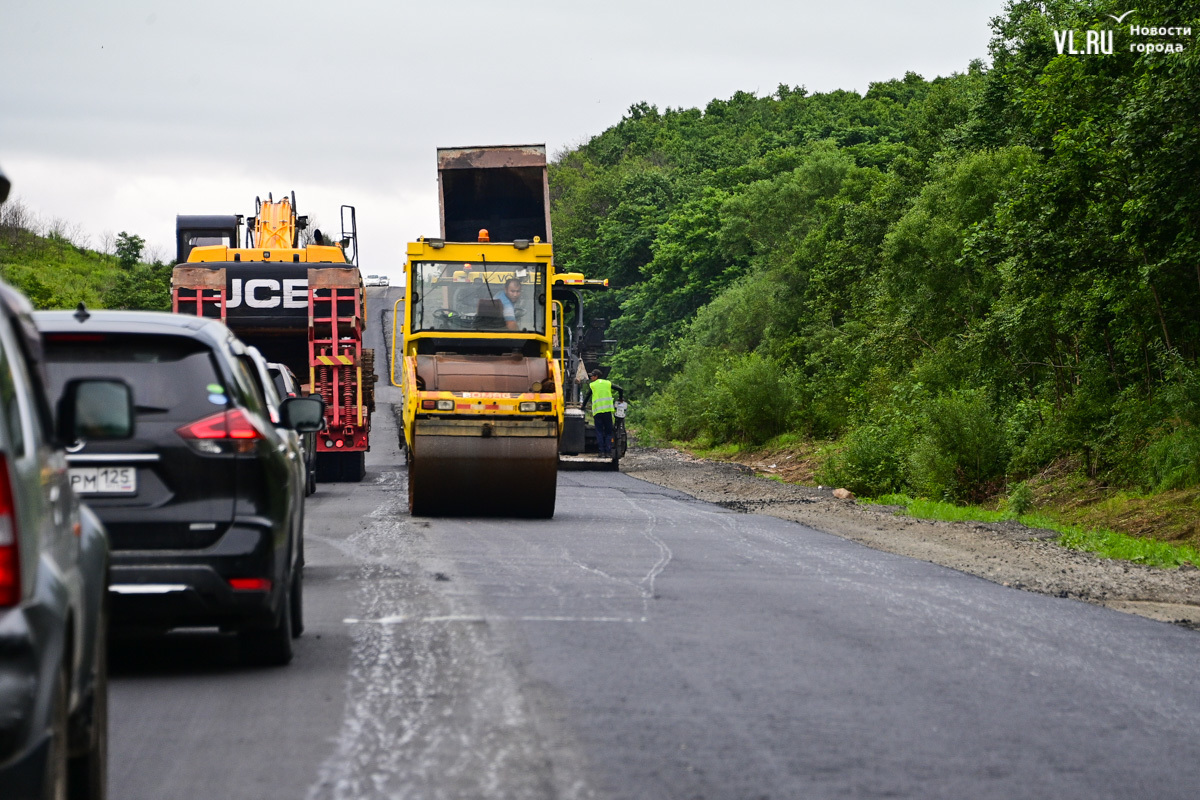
(54, 558)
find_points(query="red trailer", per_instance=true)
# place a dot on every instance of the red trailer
(300, 304)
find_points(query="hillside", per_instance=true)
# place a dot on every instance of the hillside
(52, 265)
(961, 282)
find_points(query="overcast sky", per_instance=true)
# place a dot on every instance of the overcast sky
(118, 115)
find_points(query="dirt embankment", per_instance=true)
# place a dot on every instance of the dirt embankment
(1006, 553)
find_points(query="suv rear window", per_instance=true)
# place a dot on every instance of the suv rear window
(174, 379)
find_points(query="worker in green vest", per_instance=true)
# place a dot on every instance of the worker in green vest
(602, 412)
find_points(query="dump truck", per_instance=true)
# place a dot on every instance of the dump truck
(300, 302)
(482, 391)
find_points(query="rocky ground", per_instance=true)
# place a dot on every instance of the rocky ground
(1006, 553)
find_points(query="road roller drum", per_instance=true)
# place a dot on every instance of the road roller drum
(469, 468)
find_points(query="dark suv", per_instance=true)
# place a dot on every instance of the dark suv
(204, 505)
(53, 575)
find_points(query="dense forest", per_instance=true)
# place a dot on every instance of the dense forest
(959, 281)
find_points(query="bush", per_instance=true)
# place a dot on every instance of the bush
(1020, 500)
(750, 400)
(678, 411)
(872, 460)
(747, 398)
(145, 288)
(1035, 441)
(1173, 461)
(962, 449)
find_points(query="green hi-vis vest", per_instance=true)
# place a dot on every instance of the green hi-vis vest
(602, 399)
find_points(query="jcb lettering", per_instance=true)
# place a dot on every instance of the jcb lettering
(268, 293)
(254, 300)
(295, 293)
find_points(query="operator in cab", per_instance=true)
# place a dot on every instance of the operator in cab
(510, 301)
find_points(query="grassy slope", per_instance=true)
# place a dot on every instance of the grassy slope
(54, 273)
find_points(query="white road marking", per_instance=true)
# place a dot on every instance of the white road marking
(400, 620)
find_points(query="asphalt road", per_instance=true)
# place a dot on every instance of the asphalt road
(645, 645)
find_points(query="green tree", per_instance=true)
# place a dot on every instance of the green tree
(966, 278)
(146, 287)
(129, 249)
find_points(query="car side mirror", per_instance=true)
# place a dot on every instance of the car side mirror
(95, 409)
(303, 414)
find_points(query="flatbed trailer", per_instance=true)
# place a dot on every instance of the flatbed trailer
(301, 305)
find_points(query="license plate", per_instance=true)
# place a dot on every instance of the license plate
(104, 480)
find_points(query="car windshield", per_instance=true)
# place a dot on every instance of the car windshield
(474, 296)
(173, 378)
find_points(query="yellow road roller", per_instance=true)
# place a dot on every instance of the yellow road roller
(482, 389)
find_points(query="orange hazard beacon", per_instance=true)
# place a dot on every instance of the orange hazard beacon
(299, 302)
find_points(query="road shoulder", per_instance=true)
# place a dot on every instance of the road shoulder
(1005, 553)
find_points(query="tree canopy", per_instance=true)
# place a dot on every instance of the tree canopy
(963, 279)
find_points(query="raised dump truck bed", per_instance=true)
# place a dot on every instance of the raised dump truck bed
(502, 190)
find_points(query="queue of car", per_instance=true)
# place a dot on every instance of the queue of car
(54, 562)
(192, 468)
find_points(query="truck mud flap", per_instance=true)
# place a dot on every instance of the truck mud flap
(341, 467)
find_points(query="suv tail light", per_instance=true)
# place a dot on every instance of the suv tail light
(250, 584)
(10, 557)
(224, 432)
